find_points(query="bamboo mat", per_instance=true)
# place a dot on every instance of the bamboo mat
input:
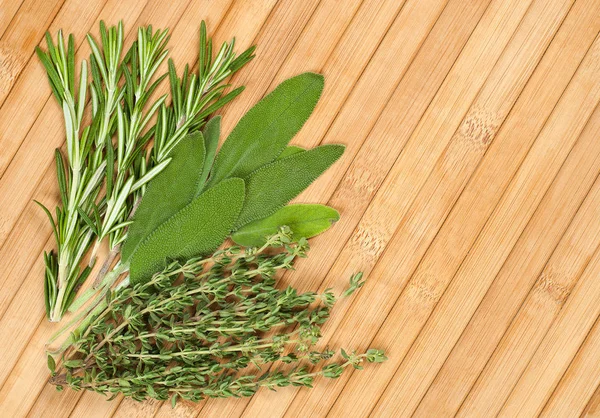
(469, 195)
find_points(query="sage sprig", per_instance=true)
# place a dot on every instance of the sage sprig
(197, 229)
(257, 151)
(110, 160)
(199, 329)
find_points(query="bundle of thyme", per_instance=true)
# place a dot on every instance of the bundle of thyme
(203, 329)
(110, 159)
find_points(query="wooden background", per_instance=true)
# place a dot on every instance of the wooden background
(469, 195)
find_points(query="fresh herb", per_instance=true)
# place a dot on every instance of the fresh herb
(290, 150)
(168, 193)
(147, 175)
(304, 220)
(262, 134)
(197, 229)
(274, 185)
(165, 227)
(203, 329)
(113, 150)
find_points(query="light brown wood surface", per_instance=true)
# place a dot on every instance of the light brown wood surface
(469, 195)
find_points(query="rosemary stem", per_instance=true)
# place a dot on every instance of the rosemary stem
(94, 252)
(112, 255)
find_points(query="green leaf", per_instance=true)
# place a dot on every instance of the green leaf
(53, 77)
(87, 219)
(73, 363)
(51, 364)
(47, 212)
(60, 174)
(304, 220)
(376, 356)
(263, 133)
(168, 192)
(197, 229)
(274, 185)
(212, 131)
(290, 150)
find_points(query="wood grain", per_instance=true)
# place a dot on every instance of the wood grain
(509, 289)
(493, 244)
(592, 409)
(469, 194)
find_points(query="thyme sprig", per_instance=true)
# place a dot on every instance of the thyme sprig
(203, 329)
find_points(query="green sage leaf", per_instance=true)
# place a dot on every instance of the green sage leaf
(274, 185)
(171, 190)
(263, 133)
(212, 131)
(197, 229)
(304, 220)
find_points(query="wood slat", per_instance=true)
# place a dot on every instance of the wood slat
(218, 406)
(592, 409)
(535, 316)
(276, 404)
(353, 53)
(8, 10)
(551, 287)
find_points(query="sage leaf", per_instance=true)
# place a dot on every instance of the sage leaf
(290, 150)
(212, 131)
(171, 190)
(263, 133)
(274, 185)
(304, 220)
(197, 229)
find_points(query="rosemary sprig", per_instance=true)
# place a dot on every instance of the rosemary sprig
(193, 98)
(114, 149)
(203, 335)
(122, 180)
(79, 179)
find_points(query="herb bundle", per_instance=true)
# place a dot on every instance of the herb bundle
(173, 317)
(127, 141)
(203, 329)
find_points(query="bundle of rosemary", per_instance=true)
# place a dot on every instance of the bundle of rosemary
(110, 159)
(202, 328)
